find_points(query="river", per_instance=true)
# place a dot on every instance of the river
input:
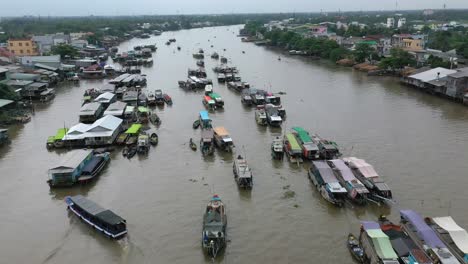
(417, 142)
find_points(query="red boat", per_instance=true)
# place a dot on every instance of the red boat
(167, 99)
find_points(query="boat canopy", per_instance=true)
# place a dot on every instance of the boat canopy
(302, 134)
(368, 225)
(70, 161)
(60, 133)
(293, 142)
(382, 244)
(134, 129)
(204, 115)
(221, 131)
(424, 232)
(89, 168)
(362, 166)
(458, 234)
(209, 100)
(97, 211)
(325, 171)
(244, 170)
(207, 135)
(143, 109)
(215, 96)
(344, 170)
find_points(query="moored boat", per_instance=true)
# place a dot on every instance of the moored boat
(207, 142)
(192, 145)
(209, 103)
(143, 143)
(159, 97)
(356, 251)
(215, 55)
(455, 237)
(94, 167)
(246, 99)
(222, 139)
(261, 117)
(376, 244)
(327, 184)
(292, 148)
(357, 192)
(219, 102)
(154, 139)
(208, 89)
(277, 148)
(310, 150)
(132, 150)
(167, 99)
(214, 227)
(205, 120)
(99, 218)
(273, 118)
(242, 173)
(196, 124)
(151, 99)
(56, 141)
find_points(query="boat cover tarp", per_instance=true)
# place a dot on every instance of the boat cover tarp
(302, 134)
(87, 205)
(368, 225)
(458, 234)
(204, 115)
(109, 217)
(134, 129)
(207, 134)
(382, 244)
(60, 133)
(221, 131)
(344, 170)
(365, 168)
(424, 232)
(293, 142)
(325, 171)
(92, 164)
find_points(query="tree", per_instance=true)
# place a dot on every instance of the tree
(7, 93)
(362, 52)
(435, 62)
(64, 50)
(398, 60)
(338, 54)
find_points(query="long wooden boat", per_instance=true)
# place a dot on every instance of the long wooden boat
(414, 225)
(97, 217)
(355, 249)
(455, 237)
(242, 173)
(277, 148)
(205, 120)
(207, 142)
(209, 103)
(327, 184)
(376, 244)
(94, 167)
(292, 148)
(214, 227)
(357, 192)
(310, 150)
(222, 139)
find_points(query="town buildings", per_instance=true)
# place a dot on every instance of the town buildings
(23, 47)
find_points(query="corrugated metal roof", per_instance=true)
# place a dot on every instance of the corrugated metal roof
(72, 159)
(432, 74)
(4, 102)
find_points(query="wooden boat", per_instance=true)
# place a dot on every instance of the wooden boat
(272, 116)
(143, 114)
(219, 102)
(154, 119)
(455, 237)
(277, 148)
(357, 192)
(151, 99)
(242, 173)
(97, 217)
(196, 124)
(214, 227)
(356, 251)
(125, 151)
(246, 99)
(376, 244)
(405, 248)
(205, 120)
(328, 149)
(364, 172)
(131, 151)
(292, 148)
(215, 56)
(327, 184)
(159, 97)
(94, 167)
(425, 237)
(222, 139)
(200, 63)
(121, 139)
(193, 146)
(310, 150)
(207, 142)
(143, 143)
(52, 141)
(167, 99)
(154, 138)
(261, 117)
(209, 103)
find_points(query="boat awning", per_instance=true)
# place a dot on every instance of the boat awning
(204, 115)
(134, 129)
(325, 171)
(60, 133)
(46, 67)
(221, 131)
(458, 234)
(382, 244)
(71, 160)
(143, 109)
(344, 170)
(424, 232)
(88, 169)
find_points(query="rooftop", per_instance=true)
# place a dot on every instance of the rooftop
(432, 74)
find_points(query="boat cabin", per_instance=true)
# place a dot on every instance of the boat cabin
(273, 117)
(106, 99)
(69, 169)
(222, 139)
(116, 109)
(90, 112)
(376, 244)
(206, 142)
(209, 103)
(292, 148)
(242, 173)
(310, 150)
(208, 89)
(47, 95)
(357, 192)
(130, 97)
(205, 120)
(261, 117)
(321, 174)
(452, 234)
(99, 218)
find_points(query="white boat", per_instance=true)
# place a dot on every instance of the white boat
(242, 173)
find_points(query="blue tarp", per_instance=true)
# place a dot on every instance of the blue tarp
(368, 225)
(422, 229)
(204, 115)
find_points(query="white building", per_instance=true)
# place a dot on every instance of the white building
(390, 22)
(102, 132)
(401, 22)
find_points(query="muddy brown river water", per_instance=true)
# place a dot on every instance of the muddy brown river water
(417, 142)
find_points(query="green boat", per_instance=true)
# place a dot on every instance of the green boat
(56, 141)
(310, 150)
(292, 148)
(219, 102)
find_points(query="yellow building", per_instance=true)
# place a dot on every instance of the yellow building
(23, 47)
(413, 44)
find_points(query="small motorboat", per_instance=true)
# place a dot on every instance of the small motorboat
(167, 99)
(196, 124)
(154, 139)
(214, 227)
(154, 119)
(125, 151)
(178, 48)
(193, 146)
(131, 151)
(151, 99)
(355, 249)
(215, 56)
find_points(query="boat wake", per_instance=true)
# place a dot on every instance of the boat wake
(54, 251)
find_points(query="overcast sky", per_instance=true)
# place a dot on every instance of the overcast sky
(138, 7)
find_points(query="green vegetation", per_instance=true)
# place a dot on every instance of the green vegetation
(435, 62)
(64, 50)
(398, 60)
(7, 93)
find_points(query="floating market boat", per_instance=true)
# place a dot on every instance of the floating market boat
(207, 142)
(356, 251)
(151, 99)
(154, 139)
(376, 244)
(272, 115)
(405, 248)
(97, 217)
(215, 56)
(208, 89)
(214, 227)
(455, 237)
(364, 172)
(77, 166)
(222, 139)
(277, 148)
(154, 119)
(414, 225)
(242, 173)
(328, 149)
(327, 184)
(56, 141)
(261, 117)
(193, 146)
(246, 99)
(221, 78)
(143, 114)
(310, 150)
(167, 99)
(159, 97)
(205, 120)
(292, 148)
(132, 151)
(357, 192)
(219, 102)
(143, 143)
(209, 103)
